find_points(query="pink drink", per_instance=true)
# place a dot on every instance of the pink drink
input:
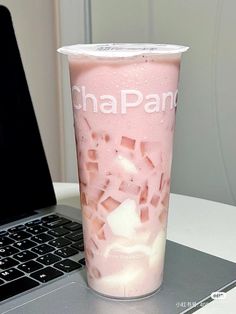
(124, 114)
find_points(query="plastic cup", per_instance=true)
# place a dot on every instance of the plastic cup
(124, 103)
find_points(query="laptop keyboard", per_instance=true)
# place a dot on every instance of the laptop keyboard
(37, 252)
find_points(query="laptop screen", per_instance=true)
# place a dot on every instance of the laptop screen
(25, 179)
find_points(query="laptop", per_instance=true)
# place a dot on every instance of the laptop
(37, 246)
(42, 264)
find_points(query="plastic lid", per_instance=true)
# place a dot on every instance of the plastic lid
(121, 50)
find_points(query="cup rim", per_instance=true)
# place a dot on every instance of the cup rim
(121, 50)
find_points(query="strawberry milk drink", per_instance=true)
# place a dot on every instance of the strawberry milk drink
(124, 102)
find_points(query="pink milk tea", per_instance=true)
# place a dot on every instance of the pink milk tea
(124, 102)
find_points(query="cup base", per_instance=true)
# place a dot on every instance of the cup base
(135, 298)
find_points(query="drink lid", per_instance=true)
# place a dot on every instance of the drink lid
(121, 50)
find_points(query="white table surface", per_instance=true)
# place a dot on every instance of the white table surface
(197, 223)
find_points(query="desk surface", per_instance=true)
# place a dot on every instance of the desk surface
(197, 223)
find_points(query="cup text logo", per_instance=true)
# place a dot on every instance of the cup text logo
(128, 99)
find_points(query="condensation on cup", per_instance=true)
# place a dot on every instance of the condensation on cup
(124, 99)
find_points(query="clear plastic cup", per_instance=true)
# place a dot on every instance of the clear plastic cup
(124, 103)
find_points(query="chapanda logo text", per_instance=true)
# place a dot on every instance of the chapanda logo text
(128, 99)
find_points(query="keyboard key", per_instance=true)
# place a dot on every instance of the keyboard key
(82, 261)
(11, 274)
(33, 223)
(5, 241)
(66, 252)
(30, 266)
(67, 265)
(3, 233)
(25, 256)
(57, 223)
(43, 249)
(37, 229)
(25, 245)
(8, 262)
(1, 282)
(59, 242)
(73, 226)
(48, 259)
(42, 238)
(50, 218)
(16, 228)
(21, 235)
(46, 274)
(75, 236)
(78, 246)
(58, 232)
(7, 251)
(18, 286)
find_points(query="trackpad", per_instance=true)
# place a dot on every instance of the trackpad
(71, 299)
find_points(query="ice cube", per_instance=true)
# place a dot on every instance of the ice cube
(151, 150)
(147, 147)
(92, 153)
(146, 168)
(126, 164)
(87, 123)
(87, 213)
(110, 204)
(83, 176)
(155, 200)
(96, 273)
(127, 249)
(149, 163)
(92, 166)
(88, 253)
(142, 148)
(92, 205)
(120, 280)
(92, 177)
(144, 194)
(97, 224)
(158, 249)
(97, 180)
(107, 138)
(101, 235)
(95, 193)
(128, 142)
(163, 217)
(124, 219)
(137, 244)
(83, 199)
(129, 187)
(100, 136)
(165, 200)
(144, 214)
(93, 245)
(161, 182)
(95, 136)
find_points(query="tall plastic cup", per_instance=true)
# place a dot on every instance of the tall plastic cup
(124, 103)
